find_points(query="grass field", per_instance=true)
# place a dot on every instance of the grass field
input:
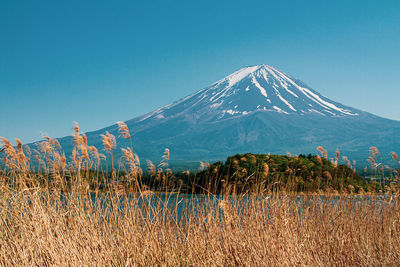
(51, 216)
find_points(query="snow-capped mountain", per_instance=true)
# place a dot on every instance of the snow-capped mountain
(257, 109)
(253, 89)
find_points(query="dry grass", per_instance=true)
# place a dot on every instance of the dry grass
(63, 224)
(41, 228)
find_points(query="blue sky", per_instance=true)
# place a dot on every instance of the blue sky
(98, 62)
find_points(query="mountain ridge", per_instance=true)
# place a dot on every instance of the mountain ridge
(256, 109)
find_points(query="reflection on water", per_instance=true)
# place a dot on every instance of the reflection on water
(181, 207)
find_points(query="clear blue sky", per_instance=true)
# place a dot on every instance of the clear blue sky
(98, 62)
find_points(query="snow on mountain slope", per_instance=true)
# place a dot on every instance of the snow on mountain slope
(260, 88)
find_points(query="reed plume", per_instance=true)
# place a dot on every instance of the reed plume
(204, 165)
(374, 150)
(337, 157)
(132, 160)
(151, 168)
(76, 127)
(265, 170)
(109, 141)
(323, 152)
(123, 130)
(347, 161)
(164, 159)
(8, 148)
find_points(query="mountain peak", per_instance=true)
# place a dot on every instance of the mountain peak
(240, 74)
(258, 88)
(244, 72)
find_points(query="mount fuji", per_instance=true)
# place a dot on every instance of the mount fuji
(256, 109)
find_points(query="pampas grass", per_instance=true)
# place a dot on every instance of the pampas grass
(38, 228)
(49, 216)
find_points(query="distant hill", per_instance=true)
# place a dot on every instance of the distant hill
(244, 172)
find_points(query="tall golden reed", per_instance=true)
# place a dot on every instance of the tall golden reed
(45, 221)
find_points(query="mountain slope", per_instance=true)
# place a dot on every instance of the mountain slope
(256, 109)
(251, 89)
